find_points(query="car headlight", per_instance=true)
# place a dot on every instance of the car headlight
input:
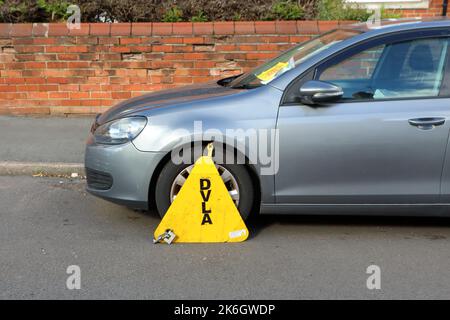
(120, 131)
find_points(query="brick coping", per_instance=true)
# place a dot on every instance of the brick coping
(8, 30)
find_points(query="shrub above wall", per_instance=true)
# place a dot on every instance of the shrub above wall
(181, 10)
(48, 69)
(157, 10)
(22, 11)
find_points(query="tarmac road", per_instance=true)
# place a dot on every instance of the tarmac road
(48, 224)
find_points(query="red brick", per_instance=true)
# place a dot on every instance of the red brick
(141, 28)
(37, 95)
(183, 80)
(71, 102)
(201, 79)
(58, 80)
(225, 47)
(83, 31)
(192, 40)
(90, 87)
(307, 27)
(34, 80)
(122, 49)
(286, 27)
(7, 88)
(100, 29)
(121, 95)
(15, 80)
(204, 64)
(196, 56)
(325, 26)
(268, 47)
(92, 102)
(48, 87)
(244, 27)
(162, 48)
(69, 56)
(44, 41)
(19, 41)
(56, 65)
(265, 27)
(162, 28)
(69, 87)
(21, 30)
(235, 56)
(130, 41)
(5, 30)
(224, 27)
(299, 39)
(55, 49)
(35, 65)
(181, 28)
(169, 39)
(58, 95)
(40, 29)
(32, 87)
(100, 95)
(203, 28)
(79, 95)
(120, 29)
(260, 56)
(57, 29)
(77, 64)
(73, 49)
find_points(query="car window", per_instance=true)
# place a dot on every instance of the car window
(292, 58)
(399, 70)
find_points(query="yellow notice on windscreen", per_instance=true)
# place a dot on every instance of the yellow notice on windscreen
(270, 74)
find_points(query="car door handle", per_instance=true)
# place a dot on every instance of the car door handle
(427, 123)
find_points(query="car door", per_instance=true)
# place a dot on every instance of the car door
(384, 142)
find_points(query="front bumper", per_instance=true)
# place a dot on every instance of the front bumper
(131, 171)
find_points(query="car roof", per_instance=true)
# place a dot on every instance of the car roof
(392, 25)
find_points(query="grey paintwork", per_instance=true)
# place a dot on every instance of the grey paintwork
(332, 159)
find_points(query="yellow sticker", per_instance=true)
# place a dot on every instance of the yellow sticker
(270, 74)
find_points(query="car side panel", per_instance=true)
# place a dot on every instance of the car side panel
(361, 153)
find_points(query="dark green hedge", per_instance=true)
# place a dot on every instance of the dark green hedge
(172, 11)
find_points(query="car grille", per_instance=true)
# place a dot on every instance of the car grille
(98, 180)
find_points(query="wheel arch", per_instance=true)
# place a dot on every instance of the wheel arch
(251, 169)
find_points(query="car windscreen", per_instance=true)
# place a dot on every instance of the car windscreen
(290, 59)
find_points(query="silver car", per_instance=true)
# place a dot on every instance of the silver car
(360, 117)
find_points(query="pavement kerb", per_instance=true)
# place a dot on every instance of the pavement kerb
(16, 168)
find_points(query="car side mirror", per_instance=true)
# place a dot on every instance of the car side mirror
(316, 92)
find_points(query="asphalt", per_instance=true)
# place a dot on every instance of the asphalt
(39, 139)
(48, 224)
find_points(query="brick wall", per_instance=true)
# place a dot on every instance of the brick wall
(48, 69)
(435, 9)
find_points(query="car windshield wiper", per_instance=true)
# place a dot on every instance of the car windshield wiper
(247, 86)
(226, 81)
